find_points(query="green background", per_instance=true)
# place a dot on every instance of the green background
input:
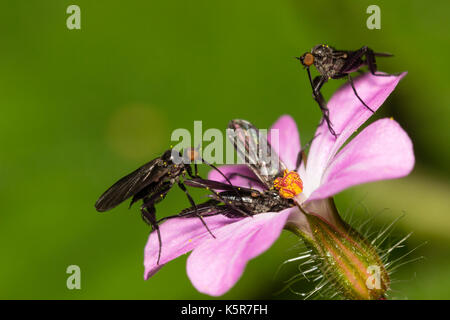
(81, 108)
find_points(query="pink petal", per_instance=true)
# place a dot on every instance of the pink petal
(288, 143)
(381, 151)
(217, 264)
(347, 114)
(238, 181)
(179, 236)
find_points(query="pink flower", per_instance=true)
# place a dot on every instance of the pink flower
(381, 151)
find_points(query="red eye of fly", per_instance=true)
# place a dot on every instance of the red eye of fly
(192, 154)
(308, 59)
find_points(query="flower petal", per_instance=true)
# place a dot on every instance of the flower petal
(217, 264)
(347, 114)
(287, 145)
(238, 180)
(178, 236)
(381, 151)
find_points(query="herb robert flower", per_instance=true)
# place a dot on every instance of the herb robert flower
(381, 151)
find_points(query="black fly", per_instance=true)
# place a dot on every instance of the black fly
(337, 64)
(231, 205)
(254, 148)
(238, 202)
(151, 183)
(257, 153)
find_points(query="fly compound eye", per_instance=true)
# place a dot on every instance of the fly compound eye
(307, 59)
(192, 154)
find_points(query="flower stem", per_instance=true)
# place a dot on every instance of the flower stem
(346, 258)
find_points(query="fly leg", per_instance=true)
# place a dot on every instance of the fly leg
(354, 61)
(189, 170)
(209, 208)
(371, 63)
(350, 80)
(356, 93)
(196, 170)
(148, 213)
(197, 214)
(195, 175)
(204, 184)
(317, 95)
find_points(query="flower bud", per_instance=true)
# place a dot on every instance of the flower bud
(347, 259)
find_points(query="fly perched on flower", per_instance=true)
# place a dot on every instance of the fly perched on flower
(258, 154)
(280, 184)
(336, 64)
(248, 201)
(381, 151)
(151, 183)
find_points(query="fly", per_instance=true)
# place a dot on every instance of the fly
(151, 183)
(227, 201)
(337, 64)
(253, 146)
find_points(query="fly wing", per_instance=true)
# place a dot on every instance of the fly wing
(131, 184)
(253, 147)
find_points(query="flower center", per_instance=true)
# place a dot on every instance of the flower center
(289, 185)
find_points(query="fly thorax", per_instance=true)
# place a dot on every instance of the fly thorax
(325, 62)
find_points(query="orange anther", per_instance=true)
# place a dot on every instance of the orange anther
(289, 185)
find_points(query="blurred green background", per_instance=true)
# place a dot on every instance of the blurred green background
(81, 108)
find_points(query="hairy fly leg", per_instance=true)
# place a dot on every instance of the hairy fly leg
(197, 214)
(211, 185)
(354, 61)
(356, 93)
(193, 155)
(204, 209)
(316, 85)
(148, 213)
(350, 80)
